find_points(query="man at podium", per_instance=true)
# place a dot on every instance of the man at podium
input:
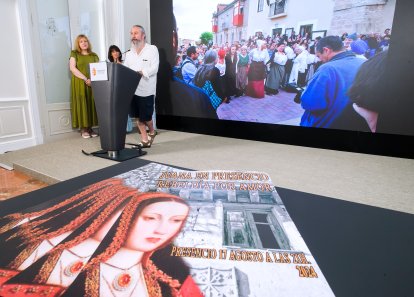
(144, 59)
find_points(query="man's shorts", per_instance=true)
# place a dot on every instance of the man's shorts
(142, 108)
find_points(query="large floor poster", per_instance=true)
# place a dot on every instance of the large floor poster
(160, 231)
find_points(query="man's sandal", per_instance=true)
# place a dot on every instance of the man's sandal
(142, 144)
(151, 137)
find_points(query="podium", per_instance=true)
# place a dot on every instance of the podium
(113, 98)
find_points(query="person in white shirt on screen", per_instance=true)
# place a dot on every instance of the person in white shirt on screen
(299, 67)
(290, 54)
(144, 59)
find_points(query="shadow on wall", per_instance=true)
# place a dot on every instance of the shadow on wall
(242, 283)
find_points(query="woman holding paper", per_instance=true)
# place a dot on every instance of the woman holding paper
(82, 101)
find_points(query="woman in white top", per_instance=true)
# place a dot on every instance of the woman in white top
(299, 67)
(277, 70)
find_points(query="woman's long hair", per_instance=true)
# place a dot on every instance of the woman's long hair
(98, 201)
(76, 199)
(76, 46)
(39, 272)
(114, 48)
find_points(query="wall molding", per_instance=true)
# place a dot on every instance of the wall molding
(9, 146)
(25, 24)
(13, 99)
(11, 129)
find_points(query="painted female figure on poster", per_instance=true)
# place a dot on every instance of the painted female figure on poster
(26, 237)
(131, 260)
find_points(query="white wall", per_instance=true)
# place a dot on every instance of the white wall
(18, 115)
(87, 17)
(389, 11)
(11, 55)
(136, 12)
(114, 23)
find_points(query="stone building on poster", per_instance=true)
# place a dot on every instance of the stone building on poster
(242, 19)
(237, 220)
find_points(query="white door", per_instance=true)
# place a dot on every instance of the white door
(19, 120)
(56, 25)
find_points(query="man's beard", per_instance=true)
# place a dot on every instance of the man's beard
(135, 43)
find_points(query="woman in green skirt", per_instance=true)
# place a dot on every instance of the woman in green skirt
(82, 102)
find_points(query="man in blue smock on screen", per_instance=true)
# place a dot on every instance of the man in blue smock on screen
(325, 100)
(189, 65)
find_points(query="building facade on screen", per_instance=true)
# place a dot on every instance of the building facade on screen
(241, 19)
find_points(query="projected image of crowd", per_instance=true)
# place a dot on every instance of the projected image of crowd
(292, 75)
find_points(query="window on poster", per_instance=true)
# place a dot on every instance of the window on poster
(237, 230)
(197, 195)
(243, 196)
(220, 196)
(254, 229)
(266, 231)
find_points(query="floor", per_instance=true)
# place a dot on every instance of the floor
(272, 109)
(14, 183)
(368, 179)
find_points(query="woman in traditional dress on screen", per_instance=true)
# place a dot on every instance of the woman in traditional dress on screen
(242, 70)
(277, 70)
(257, 72)
(29, 236)
(221, 66)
